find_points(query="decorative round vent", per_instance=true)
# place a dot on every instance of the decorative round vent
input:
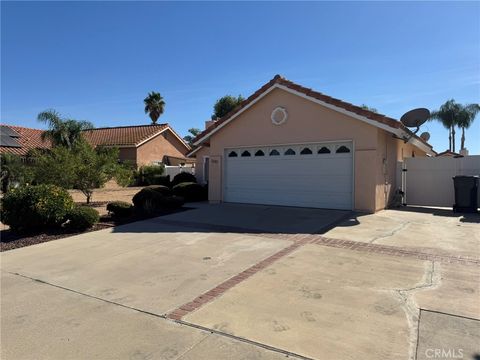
(279, 115)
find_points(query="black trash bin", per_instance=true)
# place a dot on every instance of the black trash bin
(466, 193)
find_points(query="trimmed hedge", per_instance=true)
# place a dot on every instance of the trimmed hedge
(82, 218)
(35, 207)
(164, 190)
(152, 175)
(149, 201)
(120, 209)
(183, 177)
(191, 191)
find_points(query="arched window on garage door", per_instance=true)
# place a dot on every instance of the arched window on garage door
(323, 150)
(259, 153)
(290, 152)
(306, 151)
(274, 152)
(232, 154)
(342, 149)
(246, 153)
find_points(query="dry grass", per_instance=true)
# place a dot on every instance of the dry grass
(106, 195)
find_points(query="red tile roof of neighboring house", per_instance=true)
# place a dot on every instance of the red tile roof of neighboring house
(129, 136)
(449, 153)
(314, 94)
(123, 135)
(28, 139)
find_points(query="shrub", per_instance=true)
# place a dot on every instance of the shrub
(148, 201)
(82, 218)
(35, 207)
(164, 190)
(183, 177)
(191, 191)
(124, 175)
(120, 209)
(152, 175)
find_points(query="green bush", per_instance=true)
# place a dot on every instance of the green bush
(124, 175)
(148, 201)
(152, 175)
(82, 218)
(183, 177)
(35, 207)
(164, 190)
(191, 191)
(120, 209)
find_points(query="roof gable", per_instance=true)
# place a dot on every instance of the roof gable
(357, 112)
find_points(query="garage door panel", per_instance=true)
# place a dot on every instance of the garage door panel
(266, 182)
(325, 200)
(286, 168)
(314, 180)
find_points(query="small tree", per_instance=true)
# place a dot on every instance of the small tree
(154, 106)
(193, 132)
(225, 104)
(82, 167)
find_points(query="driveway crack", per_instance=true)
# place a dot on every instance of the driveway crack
(431, 279)
(391, 233)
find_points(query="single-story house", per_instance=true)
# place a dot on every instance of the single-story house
(140, 145)
(290, 145)
(448, 153)
(143, 144)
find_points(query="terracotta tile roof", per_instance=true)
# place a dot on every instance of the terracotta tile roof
(29, 139)
(122, 135)
(317, 95)
(449, 153)
(113, 136)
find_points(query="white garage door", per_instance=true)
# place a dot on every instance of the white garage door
(309, 175)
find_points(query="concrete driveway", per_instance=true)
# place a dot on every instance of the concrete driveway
(433, 230)
(240, 282)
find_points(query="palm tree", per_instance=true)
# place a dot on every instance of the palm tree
(467, 116)
(61, 131)
(448, 115)
(154, 106)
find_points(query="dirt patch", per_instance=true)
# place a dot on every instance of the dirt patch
(10, 240)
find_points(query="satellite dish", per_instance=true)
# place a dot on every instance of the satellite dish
(414, 118)
(425, 136)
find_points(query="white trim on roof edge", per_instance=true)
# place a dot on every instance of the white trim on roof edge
(194, 151)
(396, 131)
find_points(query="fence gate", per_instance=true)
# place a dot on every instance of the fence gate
(427, 181)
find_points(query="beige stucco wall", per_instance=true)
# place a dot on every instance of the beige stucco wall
(309, 122)
(199, 159)
(390, 151)
(155, 149)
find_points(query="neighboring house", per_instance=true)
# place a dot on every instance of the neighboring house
(20, 140)
(140, 145)
(448, 153)
(143, 144)
(289, 145)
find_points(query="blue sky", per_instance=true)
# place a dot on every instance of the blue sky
(97, 60)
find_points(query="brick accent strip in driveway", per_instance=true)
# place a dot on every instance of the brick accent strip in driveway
(338, 243)
(376, 248)
(228, 284)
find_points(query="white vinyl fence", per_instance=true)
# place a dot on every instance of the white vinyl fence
(428, 181)
(174, 170)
